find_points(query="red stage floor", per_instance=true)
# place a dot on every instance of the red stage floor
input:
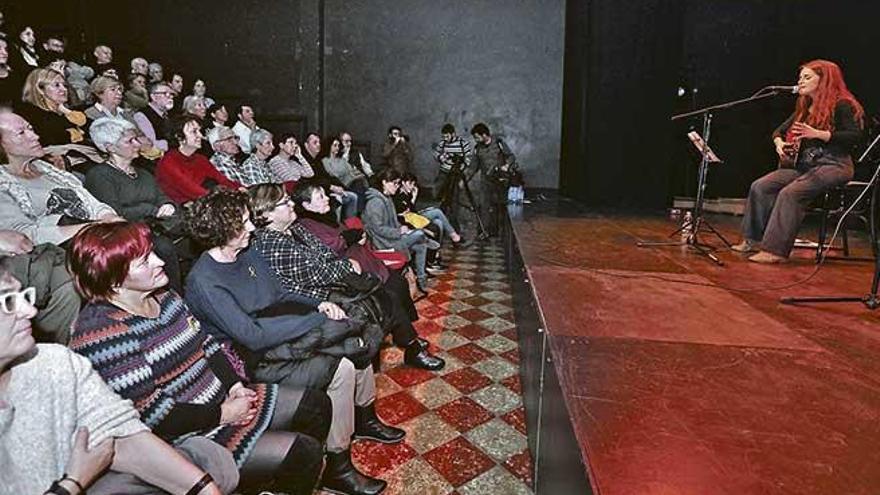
(682, 377)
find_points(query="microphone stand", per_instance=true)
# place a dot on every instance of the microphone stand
(697, 222)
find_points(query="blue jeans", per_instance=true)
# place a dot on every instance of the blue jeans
(417, 242)
(438, 218)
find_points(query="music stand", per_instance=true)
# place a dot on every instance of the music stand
(697, 222)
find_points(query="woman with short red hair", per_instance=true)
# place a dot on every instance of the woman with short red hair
(815, 146)
(148, 347)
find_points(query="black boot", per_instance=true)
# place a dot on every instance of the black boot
(368, 426)
(341, 476)
(418, 357)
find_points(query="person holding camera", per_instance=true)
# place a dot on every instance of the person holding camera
(454, 156)
(397, 151)
(495, 163)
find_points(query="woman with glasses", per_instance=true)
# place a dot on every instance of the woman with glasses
(61, 427)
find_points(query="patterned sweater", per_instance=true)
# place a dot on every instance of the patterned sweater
(52, 393)
(176, 375)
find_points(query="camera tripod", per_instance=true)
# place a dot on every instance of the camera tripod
(450, 192)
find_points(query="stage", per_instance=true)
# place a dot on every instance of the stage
(666, 374)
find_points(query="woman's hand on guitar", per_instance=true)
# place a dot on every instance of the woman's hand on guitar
(780, 148)
(805, 131)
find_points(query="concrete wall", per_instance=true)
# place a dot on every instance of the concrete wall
(421, 63)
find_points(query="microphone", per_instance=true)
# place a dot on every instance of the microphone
(789, 89)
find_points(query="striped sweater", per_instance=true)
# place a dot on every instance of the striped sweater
(175, 374)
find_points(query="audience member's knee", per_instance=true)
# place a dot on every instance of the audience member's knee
(314, 414)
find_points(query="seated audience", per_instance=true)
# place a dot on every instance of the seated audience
(195, 105)
(36, 199)
(289, 165)
(255, 168)
(305, 266)
(104, 62)
(78, 79)
(386, 232)
(397, 151)
(26, 57)
(11, 80)
(155, 72)
(347, 199)
(199, 90)
(217, 116)
(108, 92)
(284, 337)
(354, 157)
(176, 85)
(182, 174)
(153, 119)
(224, 143)
(139, 65)
(244, 126)
(42, 267)
(405, 204)
(45, 97)
(132, 191)
(136, 97)
(193, 389)
(350, 176)
(63, 427)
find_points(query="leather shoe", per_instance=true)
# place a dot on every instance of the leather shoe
(341, 476)
(368, 426)
(418, 357)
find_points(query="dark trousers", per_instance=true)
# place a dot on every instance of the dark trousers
(778, 201)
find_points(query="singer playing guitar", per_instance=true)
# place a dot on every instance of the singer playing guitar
(815, 146)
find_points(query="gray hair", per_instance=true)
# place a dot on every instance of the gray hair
(108, 130)
(259, 136)
(189, 103)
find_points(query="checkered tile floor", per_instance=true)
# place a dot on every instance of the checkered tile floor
(465, 424)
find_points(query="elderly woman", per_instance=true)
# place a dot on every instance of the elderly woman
(255, 169)
(132, 190)
(193, 388)
(108, 92)
(36, 199)
(196, 105)
(183, 174)
(386, 232)
(62, 426)
(284, 337)
(289, 165)
(136, 97)
(45, 92)
(306, 266)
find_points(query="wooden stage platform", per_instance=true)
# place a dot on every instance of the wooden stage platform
(651, 371)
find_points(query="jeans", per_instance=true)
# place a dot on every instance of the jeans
(417, 242)
(438, 218)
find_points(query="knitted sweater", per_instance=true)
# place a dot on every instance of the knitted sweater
(52, 394)
(176, 375)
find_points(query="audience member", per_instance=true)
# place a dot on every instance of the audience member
(351, 177)
(36, 199)
(269, 429)
(65, 427)
(217, 116)
(195, 105)
(354, 157)
(155, 72)
(78, 78)
(153, 120)
(287, 338)
(405, 204)
(347, 199)
(397, 151)
(224, 142)
(11, 80)
(42, 267)
(108, 91)
(305, 266)
(255, 168)
(289, 165)
(104, 62)
(386, 232)
(244, 126)
(53, 44)
(183, 174)
(136, 97)
(26, 56)
(139, 65)
(45, 93)
(200, 89)
(132, 191)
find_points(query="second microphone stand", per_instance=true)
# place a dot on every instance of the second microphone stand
(696, 223)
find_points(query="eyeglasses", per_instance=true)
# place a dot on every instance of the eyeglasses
(11, 301)
(283, 201)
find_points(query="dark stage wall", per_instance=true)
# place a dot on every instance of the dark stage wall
(358, 65)
(624, 61)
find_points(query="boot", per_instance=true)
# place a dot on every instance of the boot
(341, 476)
(368, 426)
(418, 357)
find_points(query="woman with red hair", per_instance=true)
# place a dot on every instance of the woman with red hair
(815, 147)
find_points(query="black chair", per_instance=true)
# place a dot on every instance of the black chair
(833, 204)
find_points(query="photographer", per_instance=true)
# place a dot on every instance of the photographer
(397, 151)
(495, 163)
(454, 155)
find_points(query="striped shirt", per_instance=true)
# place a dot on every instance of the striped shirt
(444, 151)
